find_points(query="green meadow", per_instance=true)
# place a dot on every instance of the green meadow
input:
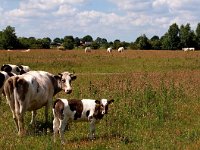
(156, 93)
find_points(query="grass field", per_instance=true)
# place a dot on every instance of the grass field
(157, 99)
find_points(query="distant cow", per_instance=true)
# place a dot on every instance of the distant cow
(120, 49)
(87, 49)
(188, 49)
(191, 48)
(33, 90)
(109, 49)
(185, 49)
(17, 69)
(88, 110)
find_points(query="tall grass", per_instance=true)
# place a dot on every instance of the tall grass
(156, 100)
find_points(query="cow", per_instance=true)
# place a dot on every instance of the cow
(191, 49)
(185, 49)
(120, 49)
(88, 110)
(87, 49)
(17, 69)
(109, 49)
(33, 90)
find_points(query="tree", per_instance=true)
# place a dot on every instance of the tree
(155, 43)
(68, 42)
(142, 43)
(24, 42)
(46, 43)
(165, 42)
(173, 37)
(95, 45)
(77, 42)
(187, 36)
(57, 41)
(9, 39)
(87, 38)
(198, 36)
(116, 44)
(1, 40)
(102, 42)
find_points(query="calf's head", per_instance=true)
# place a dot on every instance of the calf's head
(65, 79)
(102, 108)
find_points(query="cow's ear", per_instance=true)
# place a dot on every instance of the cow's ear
(73, 77)
(111, 101)
(60, 75)
(57, 77)
(97, 101)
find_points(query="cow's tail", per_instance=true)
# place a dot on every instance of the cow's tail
(9, 91)
(58, 109)
(20, 88)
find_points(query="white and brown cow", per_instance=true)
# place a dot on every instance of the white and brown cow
(88, 110)
(17, 69)
(33, 90)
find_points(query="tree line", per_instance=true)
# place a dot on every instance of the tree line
(175, 38)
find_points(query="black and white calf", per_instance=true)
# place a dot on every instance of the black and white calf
(78, 110)
(17, 69)
(32, 91)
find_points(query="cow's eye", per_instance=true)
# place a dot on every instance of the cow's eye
(63, 80)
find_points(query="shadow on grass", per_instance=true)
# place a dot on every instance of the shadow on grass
(40, 129)
(105, 137)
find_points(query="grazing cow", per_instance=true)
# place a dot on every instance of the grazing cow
(17, 69)
(185, 49)
(87, 49)
(3, 77)
(188, 49)
(33, 90)
(120, 49)
(191, 49)
(78, 110)
(28, 50)
(109, 49)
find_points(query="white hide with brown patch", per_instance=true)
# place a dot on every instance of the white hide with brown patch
(88, 110)
(33, 90)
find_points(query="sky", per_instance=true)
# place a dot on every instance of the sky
(124, 20)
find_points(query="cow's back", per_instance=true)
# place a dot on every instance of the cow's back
(34, 89)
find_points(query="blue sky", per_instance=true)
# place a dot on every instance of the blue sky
(111, 19)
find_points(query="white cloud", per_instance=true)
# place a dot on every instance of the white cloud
(132, 5)
(65, 10)
(128, 18)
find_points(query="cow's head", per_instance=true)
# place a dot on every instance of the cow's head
(65, 79)
(102, 107)
(23, 69)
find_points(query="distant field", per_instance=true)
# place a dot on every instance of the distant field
(157, 99)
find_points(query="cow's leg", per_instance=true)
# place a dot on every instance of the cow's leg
(34, 113)
(56, 124)
(20, 117)
(92, 129)
(12, 108)
(62, 126)
(20, 111)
